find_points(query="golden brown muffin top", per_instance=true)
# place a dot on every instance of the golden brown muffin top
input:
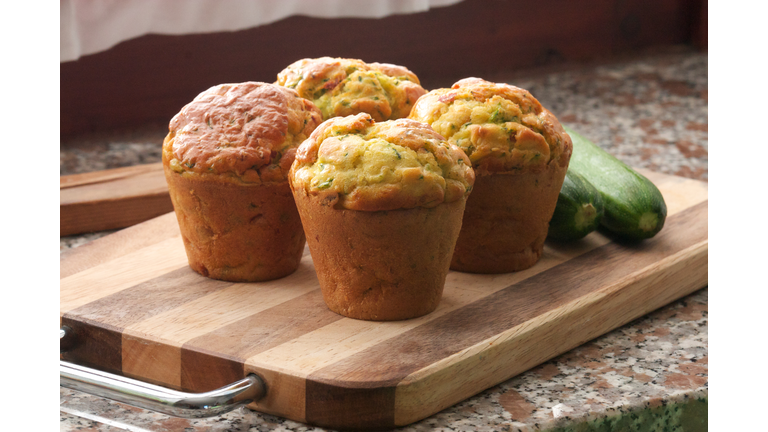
(502, 128)
(342, 87)
(355, 163)
(245, 132)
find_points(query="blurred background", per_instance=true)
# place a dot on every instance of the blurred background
(132, 63)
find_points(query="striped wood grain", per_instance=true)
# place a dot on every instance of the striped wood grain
(110, 199)
(137, 309)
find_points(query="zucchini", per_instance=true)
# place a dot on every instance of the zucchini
(578, 211)
(634, 207)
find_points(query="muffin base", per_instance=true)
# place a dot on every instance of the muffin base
(506, 221)
(238, 233)
(380, 265)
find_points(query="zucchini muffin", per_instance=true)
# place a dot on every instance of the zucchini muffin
(520, 154)
(342, 87)
(381, 204)
(226, 160)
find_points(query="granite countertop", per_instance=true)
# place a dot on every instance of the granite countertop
(650, 110)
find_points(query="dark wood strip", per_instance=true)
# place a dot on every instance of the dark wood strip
(118, 244)
(98, 326)
(386, 364)
(93, 344)
(216, 358)
(350, 408)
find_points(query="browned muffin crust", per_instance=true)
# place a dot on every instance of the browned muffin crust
(245, 132)
(358, 164)
(502, 128)
(342, 87)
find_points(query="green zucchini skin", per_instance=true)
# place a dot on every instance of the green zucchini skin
(579, 209)
(634, 207)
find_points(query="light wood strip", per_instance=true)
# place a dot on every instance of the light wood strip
(115, 245)
(121, 273)
(164, 334)
(679, 193)
(287, 395)
(518, 349)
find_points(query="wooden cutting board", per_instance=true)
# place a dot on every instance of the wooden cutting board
(137, 309)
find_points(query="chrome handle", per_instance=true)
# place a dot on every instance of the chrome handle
(157, 398)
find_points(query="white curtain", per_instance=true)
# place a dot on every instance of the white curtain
(90, 26)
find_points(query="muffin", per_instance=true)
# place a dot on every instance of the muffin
(342, 87)
(520, 154)
(226, 160)
(381, 204)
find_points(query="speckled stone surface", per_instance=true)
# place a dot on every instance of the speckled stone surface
(651, 112)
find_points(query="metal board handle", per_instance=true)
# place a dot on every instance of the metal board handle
(157, 398)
